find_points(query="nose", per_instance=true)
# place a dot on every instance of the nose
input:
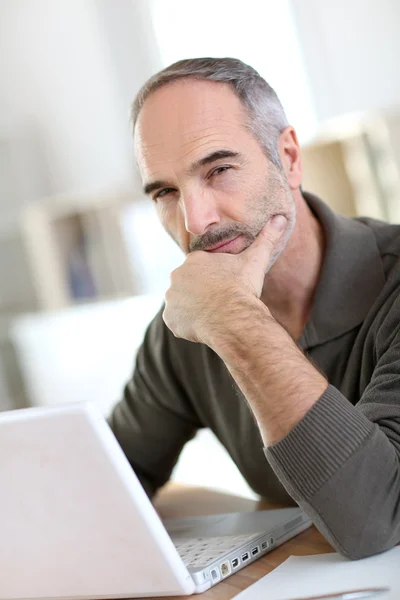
(200, 211)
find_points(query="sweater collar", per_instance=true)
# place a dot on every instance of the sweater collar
(351, 277)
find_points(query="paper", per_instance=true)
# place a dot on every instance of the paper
(302, 576)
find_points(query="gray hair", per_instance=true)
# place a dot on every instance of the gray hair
(266, 117)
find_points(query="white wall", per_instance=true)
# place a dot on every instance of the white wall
(70, 68)
(68, 71)
(261, 33)
(351, 50)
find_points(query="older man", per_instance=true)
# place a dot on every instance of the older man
(281, 329)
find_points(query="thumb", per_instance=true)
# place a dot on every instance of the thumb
(265, 241)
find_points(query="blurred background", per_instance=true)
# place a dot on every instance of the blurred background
(84, 262)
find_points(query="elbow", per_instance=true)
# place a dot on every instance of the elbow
(358, 552)
(372, 540)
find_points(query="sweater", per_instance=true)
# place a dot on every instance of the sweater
(341, 462)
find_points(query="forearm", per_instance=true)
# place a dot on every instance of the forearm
(344, 472)
(277, 380)
(334, 461)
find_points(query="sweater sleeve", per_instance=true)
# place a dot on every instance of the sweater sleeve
(341, 462)
(154, 419)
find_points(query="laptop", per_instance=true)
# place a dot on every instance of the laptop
(77, 524)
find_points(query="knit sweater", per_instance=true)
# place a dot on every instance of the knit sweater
(341, 462)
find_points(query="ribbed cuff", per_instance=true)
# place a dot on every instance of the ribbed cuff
(319, 444)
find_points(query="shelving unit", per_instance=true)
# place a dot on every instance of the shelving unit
(59, 253)
(354, 165)
(62, 251)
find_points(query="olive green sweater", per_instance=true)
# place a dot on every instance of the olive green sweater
(341, 463)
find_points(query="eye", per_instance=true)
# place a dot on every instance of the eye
(163, 193)
(220, 170)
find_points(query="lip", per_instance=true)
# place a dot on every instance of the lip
(218, 246)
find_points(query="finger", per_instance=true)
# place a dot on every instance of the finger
(265, 242)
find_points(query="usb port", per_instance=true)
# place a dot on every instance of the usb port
(264, 545)
(245, 556)
(255, 550)
(235, 563)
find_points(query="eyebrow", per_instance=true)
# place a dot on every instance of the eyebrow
(210, 158)
(206, 160)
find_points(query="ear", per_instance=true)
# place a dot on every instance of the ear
(289, 152)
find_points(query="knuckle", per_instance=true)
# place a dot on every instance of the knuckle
(270, 236)
(173, 275)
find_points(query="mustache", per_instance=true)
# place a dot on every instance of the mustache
(212, 238)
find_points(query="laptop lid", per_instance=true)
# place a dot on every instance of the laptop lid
(75, 521)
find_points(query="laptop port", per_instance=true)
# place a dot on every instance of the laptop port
(235, 563)
(255, 550)
(245, 556)
(225, 568)
(215, 575)
(264, 545)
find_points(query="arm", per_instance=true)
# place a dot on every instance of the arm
(154, 419)
(339, 462)
(279, 383)
(354, 456)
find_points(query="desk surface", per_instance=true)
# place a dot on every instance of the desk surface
(180, 501)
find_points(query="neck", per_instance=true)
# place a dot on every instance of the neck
(290, 285)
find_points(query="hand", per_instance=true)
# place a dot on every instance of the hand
(207, 288)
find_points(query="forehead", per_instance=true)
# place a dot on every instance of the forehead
(186, 119)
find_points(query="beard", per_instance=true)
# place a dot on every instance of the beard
(271, 197)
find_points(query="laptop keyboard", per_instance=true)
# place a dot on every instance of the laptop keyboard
(196, 552)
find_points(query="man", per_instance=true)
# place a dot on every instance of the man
(281, 329)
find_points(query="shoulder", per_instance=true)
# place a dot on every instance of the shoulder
(387, 237)
(385, 313)
(387, 324)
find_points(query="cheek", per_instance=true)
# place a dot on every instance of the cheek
(172, 220)
(162, 213)
(168, 212)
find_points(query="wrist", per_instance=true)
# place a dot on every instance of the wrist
(232, 335)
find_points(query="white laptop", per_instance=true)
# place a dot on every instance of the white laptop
(75, 523)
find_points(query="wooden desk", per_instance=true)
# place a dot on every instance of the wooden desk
(180, 501)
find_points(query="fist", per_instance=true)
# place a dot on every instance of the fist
(207, 289)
